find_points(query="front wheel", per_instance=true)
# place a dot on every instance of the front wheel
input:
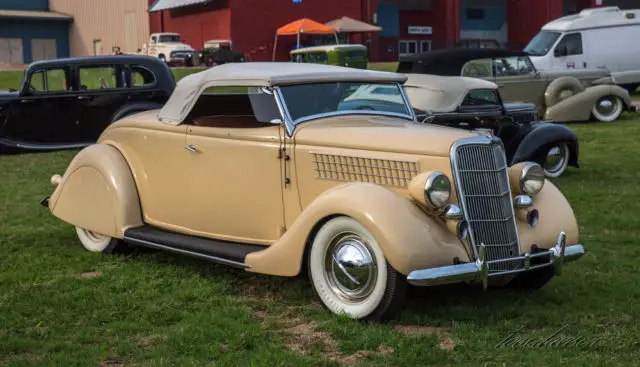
(607, 109)
(96, 242)
(556, 160)
(351, 274)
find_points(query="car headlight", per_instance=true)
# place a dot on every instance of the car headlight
(531, 178)
(437, 190)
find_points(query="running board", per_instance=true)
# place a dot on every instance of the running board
(222, 252)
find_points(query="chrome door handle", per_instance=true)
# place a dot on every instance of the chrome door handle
(191, 148)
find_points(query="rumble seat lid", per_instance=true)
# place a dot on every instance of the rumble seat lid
(261, 74)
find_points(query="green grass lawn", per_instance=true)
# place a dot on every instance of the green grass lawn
(63, 306)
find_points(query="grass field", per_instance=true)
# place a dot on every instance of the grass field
(63, 306)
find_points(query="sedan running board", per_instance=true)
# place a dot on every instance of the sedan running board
(222, 252)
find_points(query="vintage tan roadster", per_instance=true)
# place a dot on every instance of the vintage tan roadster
(264, 167)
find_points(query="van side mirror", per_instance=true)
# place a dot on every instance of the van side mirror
(561, 50)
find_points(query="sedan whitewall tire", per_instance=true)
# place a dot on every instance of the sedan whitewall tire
(350, 273)
(607, 109)
(556, 160)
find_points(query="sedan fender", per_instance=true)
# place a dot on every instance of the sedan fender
(97, 192)
(541, 136)
(578, 107)
(409, 237)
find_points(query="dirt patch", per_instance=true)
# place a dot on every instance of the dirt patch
(90, 275)
(3, 332)
(151, 341)
(305, 337)
(110, 362)
(445, 341)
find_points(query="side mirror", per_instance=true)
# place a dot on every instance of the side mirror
(561, 50)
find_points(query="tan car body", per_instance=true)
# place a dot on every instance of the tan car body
(265, 187)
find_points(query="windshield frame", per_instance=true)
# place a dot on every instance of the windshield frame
(559, 36)
(291, 124)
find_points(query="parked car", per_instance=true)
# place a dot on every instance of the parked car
(560, 95)
(67, 103)
(604, 37)
(169, 48)
(218, 52)
(471, 103)
(354, 56)
(275, 176)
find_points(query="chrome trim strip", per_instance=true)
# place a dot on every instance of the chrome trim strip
(477, 270)
(215, 259)
(25, 145)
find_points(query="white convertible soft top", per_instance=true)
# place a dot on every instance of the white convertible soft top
(441, 93)
(261, 74)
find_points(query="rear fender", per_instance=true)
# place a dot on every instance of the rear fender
(97, 192)
(409, 237)
(540, 137)
(578, 107)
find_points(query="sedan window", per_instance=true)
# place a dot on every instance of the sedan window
(510, 66)
(51, 80)
(478, 69)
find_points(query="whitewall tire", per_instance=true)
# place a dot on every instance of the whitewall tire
(96, 242)
(556, 160)
(607, 109)
(350, 273)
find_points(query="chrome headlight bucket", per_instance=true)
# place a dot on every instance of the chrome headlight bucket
(531, 178)
(437, 190)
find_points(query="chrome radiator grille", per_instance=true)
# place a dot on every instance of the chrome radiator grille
(482, 181)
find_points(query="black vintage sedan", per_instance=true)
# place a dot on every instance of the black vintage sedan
(67, 103)
(476, 104)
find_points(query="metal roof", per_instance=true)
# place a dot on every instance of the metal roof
(171, 4)
(44, 15)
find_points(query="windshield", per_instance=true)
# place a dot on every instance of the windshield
(313, 100)
(542, 43)
(169, 38)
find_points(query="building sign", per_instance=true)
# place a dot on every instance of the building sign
(419, 30)
(598, 2)
(297, 1)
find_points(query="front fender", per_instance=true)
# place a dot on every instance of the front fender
(98, 193)
(542, 135)
(578, 107)
(409, 237)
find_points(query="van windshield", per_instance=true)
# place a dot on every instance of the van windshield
(542, 43)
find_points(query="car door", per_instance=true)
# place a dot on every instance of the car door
(43, 113)
(102, 91)
(518, 80)
(570, 53)
(235, 177)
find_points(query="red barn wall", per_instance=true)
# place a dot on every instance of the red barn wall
(254, 22)
(196, 23)
(525, 20)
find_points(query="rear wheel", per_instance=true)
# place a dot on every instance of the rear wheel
(350, 273)
(556, 160)
(607, 109)
(97, 242)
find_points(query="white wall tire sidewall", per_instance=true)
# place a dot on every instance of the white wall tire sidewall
(90, 243)
(319, 279)
(613, 117)
(564, 165)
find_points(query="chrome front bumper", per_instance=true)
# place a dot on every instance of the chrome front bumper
(479, 270)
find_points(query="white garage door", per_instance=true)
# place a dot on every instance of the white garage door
(43, 48)
(11, 51)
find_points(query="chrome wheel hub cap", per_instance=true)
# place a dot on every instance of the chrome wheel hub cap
(555, 158)
(350, 268)
(605, 106)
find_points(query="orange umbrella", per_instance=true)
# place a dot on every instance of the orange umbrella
(300, 26)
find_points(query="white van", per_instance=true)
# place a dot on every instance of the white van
(605, 37)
